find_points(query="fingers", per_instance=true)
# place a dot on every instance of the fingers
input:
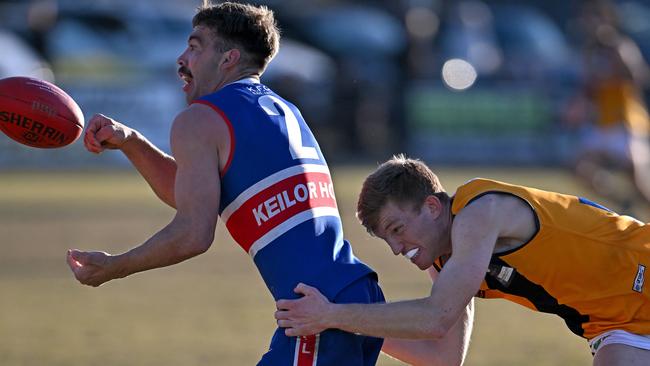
(285, 323)
(284, 304)
(283, 320)
(305, 290)
(79, 257)
(90, 140)
(300, 289)
(91, 143)
(294, 328)
(298, 332)
(73, 263)
(102, 133)
(78, 269)
(281, 315)
(105, 134)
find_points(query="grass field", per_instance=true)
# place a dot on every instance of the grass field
(213, 309)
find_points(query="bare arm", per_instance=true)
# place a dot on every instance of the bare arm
(451, 349)
(157, 168)
(197, 191)
(448, 350)
(474, 233)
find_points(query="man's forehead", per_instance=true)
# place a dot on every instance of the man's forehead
(200, 34)
(388, 214)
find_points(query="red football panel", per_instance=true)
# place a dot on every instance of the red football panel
(45, 98)
(34, 127)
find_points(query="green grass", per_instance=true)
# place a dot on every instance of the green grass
(213, 309)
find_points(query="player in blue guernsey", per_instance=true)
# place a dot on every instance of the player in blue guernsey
(241, 152)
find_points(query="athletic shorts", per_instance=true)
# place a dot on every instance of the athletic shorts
(333, 346)
(619, 337)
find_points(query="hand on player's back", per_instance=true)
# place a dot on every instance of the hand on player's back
(90, 268)
(106, 133)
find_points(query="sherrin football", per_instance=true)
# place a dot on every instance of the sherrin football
(37, 113)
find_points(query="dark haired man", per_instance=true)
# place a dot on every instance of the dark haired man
(243, 153)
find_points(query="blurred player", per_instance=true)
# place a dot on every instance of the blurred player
(550, 252)
(613, 152)
(242, 152)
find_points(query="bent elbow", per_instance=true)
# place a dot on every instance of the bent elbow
(453, 359)
(434, 331)
(437, 360)
(196, 245)
(201, 247)
(438, 356)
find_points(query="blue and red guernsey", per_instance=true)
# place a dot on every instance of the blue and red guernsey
(277, 198)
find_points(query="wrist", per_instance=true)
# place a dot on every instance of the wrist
(332, 316)
(120, 265)
(131, 139)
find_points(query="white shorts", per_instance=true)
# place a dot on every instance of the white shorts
(619, 337)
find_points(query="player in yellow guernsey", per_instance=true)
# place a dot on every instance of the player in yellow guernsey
(612, 152)
(548, 251)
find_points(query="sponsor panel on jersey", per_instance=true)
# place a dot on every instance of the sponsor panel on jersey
(639, 279)
(278, 203)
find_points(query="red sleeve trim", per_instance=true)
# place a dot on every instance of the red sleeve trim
(230, 130)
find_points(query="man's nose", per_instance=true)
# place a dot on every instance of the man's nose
(180, 60)
(395, 246)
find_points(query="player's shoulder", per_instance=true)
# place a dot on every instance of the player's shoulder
(494, 207)
(199, 121)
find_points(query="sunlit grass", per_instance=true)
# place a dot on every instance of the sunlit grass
(211, 310)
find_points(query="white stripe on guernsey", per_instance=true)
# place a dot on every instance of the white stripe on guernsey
(295, 352)
(289, 224)
(269, 181)
(316, 349)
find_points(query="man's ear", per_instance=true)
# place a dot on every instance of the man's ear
(231, 58)
(434, 204)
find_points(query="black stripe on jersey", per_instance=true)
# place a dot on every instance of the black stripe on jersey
(536, 294)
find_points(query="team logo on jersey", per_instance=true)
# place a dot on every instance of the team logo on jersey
(503, 274)
(639, 279)
(278, 203)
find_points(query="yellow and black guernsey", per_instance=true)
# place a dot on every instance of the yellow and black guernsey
(585, 263)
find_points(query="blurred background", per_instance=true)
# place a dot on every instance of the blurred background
(498, 82)
(551, 93)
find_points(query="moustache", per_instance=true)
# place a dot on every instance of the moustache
(184, 71)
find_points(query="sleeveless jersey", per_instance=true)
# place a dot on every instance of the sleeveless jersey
(277, 198)
(585, 263)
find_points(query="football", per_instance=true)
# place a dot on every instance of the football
(38, 113)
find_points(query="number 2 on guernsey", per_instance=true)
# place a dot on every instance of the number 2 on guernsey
(270, 105)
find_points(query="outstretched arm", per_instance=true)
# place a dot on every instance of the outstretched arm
(474, 233)
(449, 350)
(157, 168)
(446, 351)
(197, 190)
